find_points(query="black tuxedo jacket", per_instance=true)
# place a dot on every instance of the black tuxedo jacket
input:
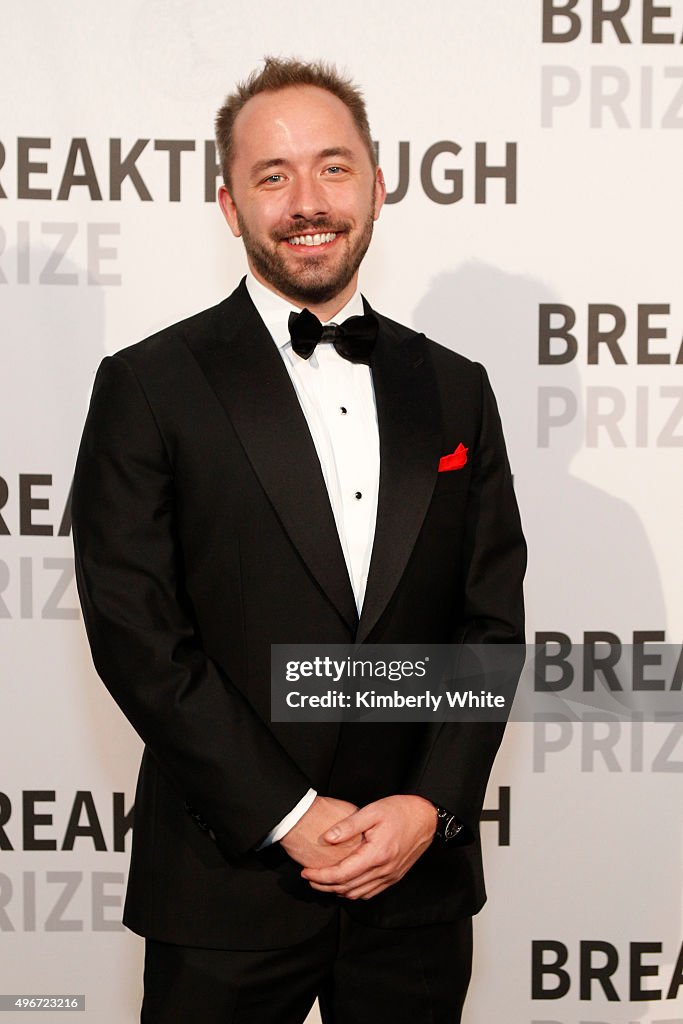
(203, 533)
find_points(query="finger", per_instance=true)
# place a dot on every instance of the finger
(363, 892)
(342, 888)
(367, 892)
(361, 860)
(354, 825)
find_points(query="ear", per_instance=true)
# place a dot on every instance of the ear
(229, 210)
(380, 192)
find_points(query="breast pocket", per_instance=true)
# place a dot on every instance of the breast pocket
(454, 481)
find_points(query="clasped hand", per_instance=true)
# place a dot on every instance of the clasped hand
(359, 852)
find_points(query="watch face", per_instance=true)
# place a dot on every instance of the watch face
(448, 826)
(452, 828)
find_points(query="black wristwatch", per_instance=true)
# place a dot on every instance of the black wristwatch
(447, 825)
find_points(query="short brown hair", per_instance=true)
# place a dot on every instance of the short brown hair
(279, 74)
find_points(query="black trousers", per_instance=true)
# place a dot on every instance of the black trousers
(360, 974)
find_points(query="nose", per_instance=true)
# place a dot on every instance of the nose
(308, 198)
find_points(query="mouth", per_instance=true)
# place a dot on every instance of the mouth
(312, 241)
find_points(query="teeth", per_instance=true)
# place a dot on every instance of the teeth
(313, 239)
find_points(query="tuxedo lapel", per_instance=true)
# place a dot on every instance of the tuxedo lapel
(410, 443)
(246, 371)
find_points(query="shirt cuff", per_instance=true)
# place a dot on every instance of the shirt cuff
(289, 820)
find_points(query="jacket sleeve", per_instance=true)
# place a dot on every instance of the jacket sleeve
(203, 733)
(459, 763)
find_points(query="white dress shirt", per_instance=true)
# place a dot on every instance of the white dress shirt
(338, 401)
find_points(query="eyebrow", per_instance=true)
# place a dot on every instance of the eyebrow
(272, 162)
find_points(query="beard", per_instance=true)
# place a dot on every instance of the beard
(319, 279)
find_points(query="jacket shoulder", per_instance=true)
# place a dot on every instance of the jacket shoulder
(203, 327)
(444, 359)
(158, 347)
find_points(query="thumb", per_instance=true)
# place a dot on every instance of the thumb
(347, 828)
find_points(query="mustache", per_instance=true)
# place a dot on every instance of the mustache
(318, 225)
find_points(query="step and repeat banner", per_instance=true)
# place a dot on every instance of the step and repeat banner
(533, 153)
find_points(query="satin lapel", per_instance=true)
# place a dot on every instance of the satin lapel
(410, 443)
(246, 371)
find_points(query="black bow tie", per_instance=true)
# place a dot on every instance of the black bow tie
(353, 340)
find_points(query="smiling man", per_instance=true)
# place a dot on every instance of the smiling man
(311, 256)
(290, 466)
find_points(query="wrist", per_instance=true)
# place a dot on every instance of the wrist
(427, 809)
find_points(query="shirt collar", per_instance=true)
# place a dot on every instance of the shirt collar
(274, 310)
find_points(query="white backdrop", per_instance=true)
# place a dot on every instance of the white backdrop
(587, 215)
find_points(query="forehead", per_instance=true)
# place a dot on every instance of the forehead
(292, 122)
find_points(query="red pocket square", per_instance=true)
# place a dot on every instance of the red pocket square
(456, 460)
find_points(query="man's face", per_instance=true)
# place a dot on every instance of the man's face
(303, 194)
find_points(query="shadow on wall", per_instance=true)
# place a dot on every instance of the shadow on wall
(591, 564)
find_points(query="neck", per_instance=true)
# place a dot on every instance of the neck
(323, 310)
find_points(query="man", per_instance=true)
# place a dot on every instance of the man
(235, 488)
